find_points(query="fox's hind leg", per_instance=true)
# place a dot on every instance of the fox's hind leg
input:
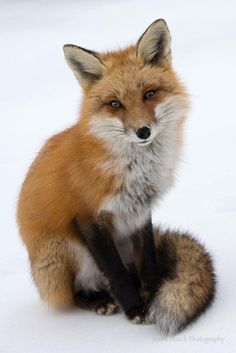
(53, 272)
(54, 265)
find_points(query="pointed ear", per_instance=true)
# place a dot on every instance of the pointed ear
(154, 45)
(84, 63)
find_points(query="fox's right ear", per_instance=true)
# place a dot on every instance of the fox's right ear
(84, 63)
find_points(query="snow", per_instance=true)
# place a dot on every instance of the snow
(39, 97)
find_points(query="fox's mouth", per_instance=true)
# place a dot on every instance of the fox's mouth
(146, 142)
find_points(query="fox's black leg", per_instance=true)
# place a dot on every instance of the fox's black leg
(134, 275)
(148, 262)
(99, 301)
(100, 243)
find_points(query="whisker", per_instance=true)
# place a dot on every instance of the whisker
(166, 123)
(167, 116)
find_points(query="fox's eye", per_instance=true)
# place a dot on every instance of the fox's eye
(149, 94)
(115, 104)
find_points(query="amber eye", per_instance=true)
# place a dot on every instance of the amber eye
(115, 104)
(149, 94)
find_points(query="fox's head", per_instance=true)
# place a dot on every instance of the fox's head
(131, 94)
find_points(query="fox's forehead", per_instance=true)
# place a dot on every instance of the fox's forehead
(125, 75)
(131, 77)
(124, 64)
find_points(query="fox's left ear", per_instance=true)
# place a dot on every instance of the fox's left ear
(154, 45)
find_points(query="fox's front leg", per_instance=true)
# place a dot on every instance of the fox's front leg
(146, 253)
(98, 237)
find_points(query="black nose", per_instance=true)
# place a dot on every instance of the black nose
(143, 132)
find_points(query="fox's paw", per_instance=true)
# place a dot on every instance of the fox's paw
(138, 319)
(99, 301)
(107, 308)
(106, 305)
(141, 320)
(138, 316)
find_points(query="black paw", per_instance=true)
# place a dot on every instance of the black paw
(108, 308)
(106, 305)
(101, 302)
(138, 315)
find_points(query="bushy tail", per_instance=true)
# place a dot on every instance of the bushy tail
(186, 281)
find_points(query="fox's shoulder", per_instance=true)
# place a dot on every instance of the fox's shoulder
(61, 138)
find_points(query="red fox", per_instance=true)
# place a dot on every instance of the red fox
(84, 211)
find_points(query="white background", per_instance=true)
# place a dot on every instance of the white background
(39, 96)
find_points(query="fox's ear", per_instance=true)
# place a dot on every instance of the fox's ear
(84, 63)
(154, 45)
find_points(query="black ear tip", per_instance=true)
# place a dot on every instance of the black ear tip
(161, 21)
(69, 46)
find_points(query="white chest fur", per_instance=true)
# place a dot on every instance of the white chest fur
(145, 174)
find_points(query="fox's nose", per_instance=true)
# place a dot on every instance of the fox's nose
(143, 132)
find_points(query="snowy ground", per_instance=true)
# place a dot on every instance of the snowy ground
(39, 97)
